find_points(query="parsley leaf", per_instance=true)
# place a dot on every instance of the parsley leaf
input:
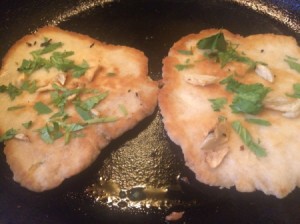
(9, 134)
(223, 51)
(293, 64)
(248, 97)
(218, 103)
(247, 139)
(47, 49)
(258, 121)
(91, 102)
(50, 133)
(102, 120)
(17, 107)
(30, 66)
(29, 86)
(41, 108)
(11, 90)
(185, 52)
(79, 70)
(215, 42)
(296, 88)
(84, 114)
(83, 107)
(27, 125)
(181, 67)
(69, 129)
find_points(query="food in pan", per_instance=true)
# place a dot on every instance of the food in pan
(232, 104)
(64, 97)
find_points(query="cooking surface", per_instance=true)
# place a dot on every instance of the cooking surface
(141, 177)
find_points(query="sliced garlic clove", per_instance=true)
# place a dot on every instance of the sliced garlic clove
(264, 72)
(289, 106)
(215, 157)
(200, 80)
(61, 78)
(71, 97)
(95, 112)
(218, 136)
(22, 137)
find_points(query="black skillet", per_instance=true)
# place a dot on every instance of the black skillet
(141, 177)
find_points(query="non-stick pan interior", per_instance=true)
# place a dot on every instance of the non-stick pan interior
(141, 177)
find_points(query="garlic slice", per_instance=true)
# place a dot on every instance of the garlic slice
(200, 80)
(61, 78)
(215, 158)
(264, 72)
(22, 137)
(289, 106)
(95, 112)
(218, 136)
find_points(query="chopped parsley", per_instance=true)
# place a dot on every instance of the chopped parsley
(248, 97)
(11, 90)
(293, 64)
(218, 103)
(123, 109)
(181, 67)
(9, 134)
(185, 52)
(258, 121)
(42, 108)
(83, 107)
(223, 51)
(296, 93)
(59, 60)
(17, 107)
(50, 132)
(27, 125)
(247, 139)
(29, 86)
(102, 120)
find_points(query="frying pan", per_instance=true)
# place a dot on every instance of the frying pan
(141, 176)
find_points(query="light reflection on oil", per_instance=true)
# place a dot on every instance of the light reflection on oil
(142, 173)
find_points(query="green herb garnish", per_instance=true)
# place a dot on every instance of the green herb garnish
(70, 129)
(59, 60)
(247, 139)
(258, 121)
(17, 107)
(293, 64)
(223, 51)
(50, 133)
(41, 108)
(248, 97)
(46, 49)
(101, 120)
(11, 90)
(218, 103)
(29, 86)
(27, 125)
(296, 88)
(181, 67)
(123, 109)
(9, 134)
(185, 52)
